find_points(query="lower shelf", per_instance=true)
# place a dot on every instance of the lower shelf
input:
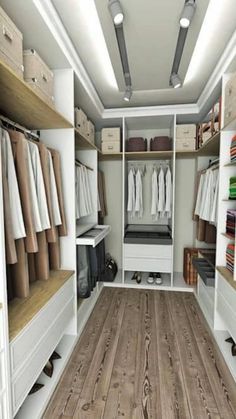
(225, 347)
(35, 404)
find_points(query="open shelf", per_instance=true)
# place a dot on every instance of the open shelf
(227, 275)
(225, 347)
(142, 155)
(35, 404)
(94, 240)
(211, 146)
(110, 156)
(22, 310)
(232, 163)
(130, 283)
(228, 236)
(82, 143)
(21, 103)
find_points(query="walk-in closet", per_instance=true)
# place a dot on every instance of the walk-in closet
(117, 209)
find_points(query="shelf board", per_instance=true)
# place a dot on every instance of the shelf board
(211, 146)
(110, 156)
(148, 154)
(21, 103)
(22, 310)
(225, 347)
(228, 236)
(232, 163)
(231, 126)
(82, 143)
(227, 275)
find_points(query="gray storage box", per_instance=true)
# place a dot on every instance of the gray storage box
(11, 44)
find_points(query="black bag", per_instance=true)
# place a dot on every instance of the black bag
(110, 269)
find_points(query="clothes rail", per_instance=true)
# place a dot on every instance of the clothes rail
(19, 127)
(79, 163)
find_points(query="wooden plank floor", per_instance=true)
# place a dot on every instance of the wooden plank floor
(145, 355)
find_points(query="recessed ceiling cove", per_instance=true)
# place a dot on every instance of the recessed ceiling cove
(151, 30)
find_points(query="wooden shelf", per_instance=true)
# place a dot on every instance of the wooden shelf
(211, 146)
(227, 275)
(82, 143)
(19, 102)
(145, 155)
(230, 164)
(228, 236)
(110, 156)
(22, 310)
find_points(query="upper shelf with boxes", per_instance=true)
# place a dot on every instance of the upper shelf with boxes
(85, 131)
(26, 82)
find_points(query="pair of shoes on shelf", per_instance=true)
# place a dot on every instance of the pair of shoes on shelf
(49, 367)
(137, 276)
(154, 277)
(233, 348)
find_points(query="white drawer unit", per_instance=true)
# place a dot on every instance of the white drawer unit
(26, 377)
(186, 131)
(111, 134)
(227, 313)
(148, 265)
(206, 300)
(149, 251)
(33, 334)
(228, 292)
(153, 258)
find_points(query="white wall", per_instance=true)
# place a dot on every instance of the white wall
(184, 195)
(113, 180)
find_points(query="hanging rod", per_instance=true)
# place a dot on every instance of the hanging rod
(79, 163)
(19, 127)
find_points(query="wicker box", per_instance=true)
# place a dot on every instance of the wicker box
(110, 147)
(11, 44)
(111, 134)
(90, 131)
(186, 131)
(35, 70)
(41, 93)
(81, 121)
(185, 144)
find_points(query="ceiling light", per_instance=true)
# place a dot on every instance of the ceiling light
(175, 81)
(187, 13)
(128, 94)
(116, 11)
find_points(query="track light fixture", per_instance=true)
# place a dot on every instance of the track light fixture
(187, 13)
(175, 81)
(116, 11)
(128, 94)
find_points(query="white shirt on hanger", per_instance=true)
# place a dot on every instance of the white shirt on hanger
(14, 196)
(35, 205)
(131, 193)
(168, 188)
(161, 193)
(139, 194)
(54, 196)
(154, 204)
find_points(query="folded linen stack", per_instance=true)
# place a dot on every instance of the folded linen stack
(230, 257)
(233, 149)
(230, 222)
(232, 187)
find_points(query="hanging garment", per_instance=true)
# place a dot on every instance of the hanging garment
(161, 193)
(33, 191)
(10, 246)
(168, 193)
(82, 201)
(83, 274)
(200, 194)
(62, 229)
(39, 184)
(41, 258)
(20, 154)
(131, 193)
(11, 187)
(87, 190)
(208, 197)
(154, 204)
(214, 210)
(54, 196)
(139, 194)
(19, 272)
(77, 193)
(102, 194)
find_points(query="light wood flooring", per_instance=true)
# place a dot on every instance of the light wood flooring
(145, 354)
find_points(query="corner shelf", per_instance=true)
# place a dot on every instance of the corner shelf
(21, 103)
(22, 310)
(227, 275)
(82, 143)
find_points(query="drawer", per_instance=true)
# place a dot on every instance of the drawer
(185, 144)
(206, 297)
(228, 292)
(186, 131)
(25, 343)
(227, 314)
(35, 68)
(11, 44)
(111, 134)
(148, 251)
(111, 147)
(22, 384)
(148, 265)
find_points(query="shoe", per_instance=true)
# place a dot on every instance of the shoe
(139, 278)
(157, 278)
(48, 369)
(233, 349)
(150, 279)
(230, 340)
(54, 355)
(134, 277)
(36, 387)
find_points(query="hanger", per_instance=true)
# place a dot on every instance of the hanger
(78, 163)
(7, 123)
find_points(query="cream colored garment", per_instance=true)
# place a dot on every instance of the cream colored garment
(39, 184)
(161, 193)
(139, 194)
(214, 211)
(154, 204)
(35, 206)
(14, 196)
(168, 193)
(200, 195)
(131, 193)
(54, 196)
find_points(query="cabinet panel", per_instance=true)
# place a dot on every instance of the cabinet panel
(148, 251)
(228, 315)
(148, 265)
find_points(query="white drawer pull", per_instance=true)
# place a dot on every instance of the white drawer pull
(110, 147)
(7, 34)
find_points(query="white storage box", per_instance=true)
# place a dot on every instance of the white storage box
(11, 44)
(111, 147)
(81, 121)
(186, 131)
(111, 134)
(230, 100)
(48, 99)
(185, 144)
(37, 71)
(90, 129)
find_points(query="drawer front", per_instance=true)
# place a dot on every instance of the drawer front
(111, 134)
(111, 147)
(185, 144)
(24, 344)
(149, 251)
(186, 131)
(11, 42)
(24, 381)
(35, 68)
(227, 314)
(148, 265)
(228, 292)
(205, 299)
